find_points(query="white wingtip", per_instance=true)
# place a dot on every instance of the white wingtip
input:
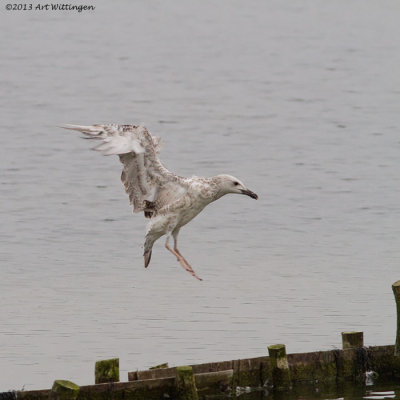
(73, 127)
(89, 129)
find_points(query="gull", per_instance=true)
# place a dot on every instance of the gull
(168, 200)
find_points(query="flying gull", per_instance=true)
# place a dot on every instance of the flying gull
(168, 200)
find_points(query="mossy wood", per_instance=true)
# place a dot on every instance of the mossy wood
(251, 372)
(396, 292)
(352, 364)
(318, 369)
(171, 371)
(319, 366)
(279, 367)
(160, 366)
(64, 390)
(185, 384)
(213, 383)
(107, 371)
(352, 340)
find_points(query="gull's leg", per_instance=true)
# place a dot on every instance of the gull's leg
(175, 236)
(180, 258)
(190, 269)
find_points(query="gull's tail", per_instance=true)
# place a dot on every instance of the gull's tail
(148, 246)
(147, 258)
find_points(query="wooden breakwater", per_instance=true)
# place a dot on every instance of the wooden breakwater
(277, 371)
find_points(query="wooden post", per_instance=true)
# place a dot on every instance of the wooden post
(184, 384)
(396, 291)
(351, 362)
(280, 367)
(64, 390)
(352, 340)
(107, 371)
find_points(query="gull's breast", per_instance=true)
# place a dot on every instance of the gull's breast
(194, 206)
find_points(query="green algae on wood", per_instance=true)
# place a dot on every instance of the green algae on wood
(382, 360)
(153, 389)
(315, 368)
(279, 367)
(185, 384)
(152, 374)
(160, 366)
(107, 371)
(64, 390)
(352, 361)
(306, 368)
(352, 340)
(396, 292)
(352, 364)
(251, 372)
(213, 383)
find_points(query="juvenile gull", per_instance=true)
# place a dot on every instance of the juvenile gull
(168, 200)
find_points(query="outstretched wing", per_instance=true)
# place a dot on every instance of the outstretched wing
(148, 183)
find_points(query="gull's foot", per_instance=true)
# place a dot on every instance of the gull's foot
(188, 268)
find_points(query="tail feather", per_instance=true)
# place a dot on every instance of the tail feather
(147, 258)
(148, 247)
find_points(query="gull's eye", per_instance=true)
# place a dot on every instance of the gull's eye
(236, 183)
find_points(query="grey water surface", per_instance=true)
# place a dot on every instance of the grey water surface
(378, 390)
(299, 100)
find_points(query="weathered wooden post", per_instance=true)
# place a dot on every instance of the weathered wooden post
(64, 390)
(396, 291)
(352, 340)
(351, 363)
(184, 384)
(107, 371)
(279, 366)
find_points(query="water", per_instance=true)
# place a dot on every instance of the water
(376, 391)
(297, 99)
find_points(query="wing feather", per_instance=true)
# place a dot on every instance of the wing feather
(146, 180)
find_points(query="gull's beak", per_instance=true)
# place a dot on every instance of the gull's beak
(249, 193)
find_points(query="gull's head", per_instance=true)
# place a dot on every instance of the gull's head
(230, 184)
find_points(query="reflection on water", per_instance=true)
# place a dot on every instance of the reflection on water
(348, 391)
(298, 100)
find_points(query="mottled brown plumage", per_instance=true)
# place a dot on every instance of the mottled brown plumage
(168, 200)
